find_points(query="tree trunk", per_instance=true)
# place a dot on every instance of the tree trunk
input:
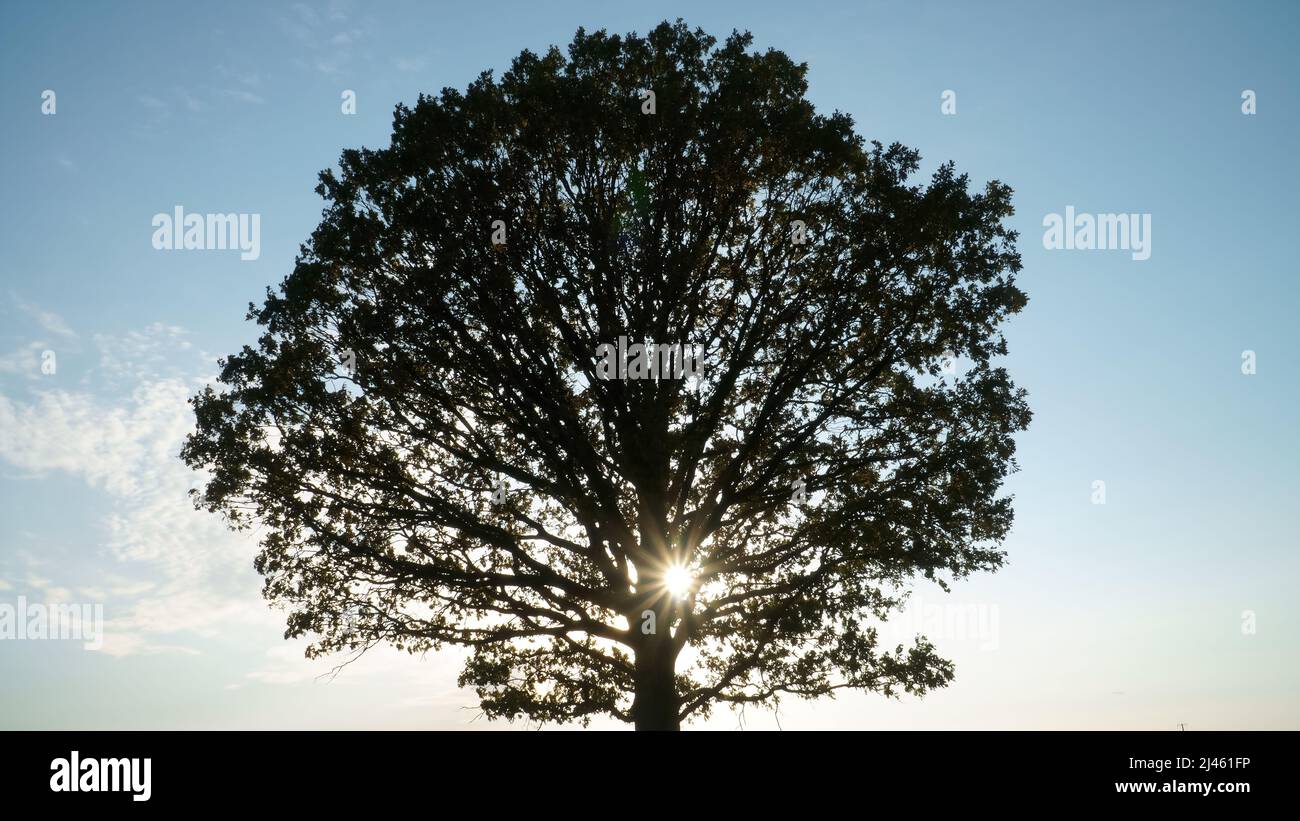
(655, 703)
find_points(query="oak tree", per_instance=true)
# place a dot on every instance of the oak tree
(424, 441)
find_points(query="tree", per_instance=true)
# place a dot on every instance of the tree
(426, 434)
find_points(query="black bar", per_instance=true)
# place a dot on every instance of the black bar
(600, 772)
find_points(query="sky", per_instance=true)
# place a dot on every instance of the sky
(1164, 596)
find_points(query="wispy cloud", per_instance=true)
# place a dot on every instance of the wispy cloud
(44, 331)
(241, 95)
(306, 14)
(328, 36)
(410, 64)
(48, 320)
(243, 78)
(191, 577)
(26, 360)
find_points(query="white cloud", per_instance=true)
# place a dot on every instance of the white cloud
(47, 334)
(327, 34)
(144, 356)
(125, 444)
(25, 360)
(172, 580)
(48, 320)
(47, 588)
(114, 448)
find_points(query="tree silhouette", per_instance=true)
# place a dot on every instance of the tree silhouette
(425, 434)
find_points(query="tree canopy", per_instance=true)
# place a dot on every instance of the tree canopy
(425, 436)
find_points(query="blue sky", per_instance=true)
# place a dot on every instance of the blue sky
(1124, 615)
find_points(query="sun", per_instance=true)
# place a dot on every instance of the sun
(678, 580)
